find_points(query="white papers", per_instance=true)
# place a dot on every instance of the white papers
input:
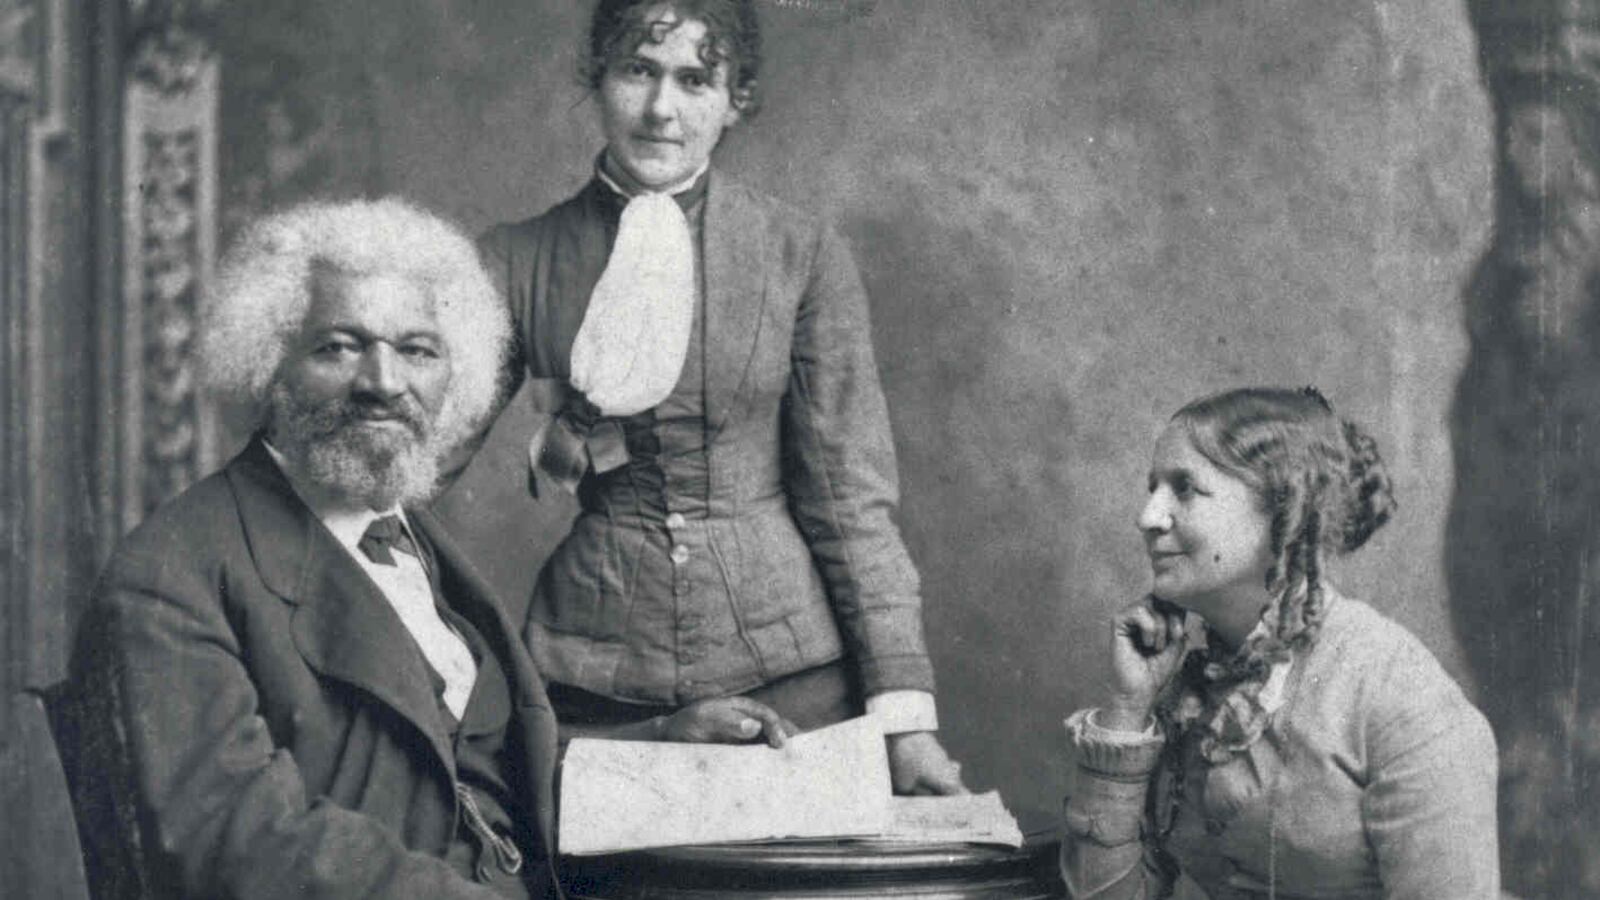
(969, 818)
(829, 783)
(630, 795)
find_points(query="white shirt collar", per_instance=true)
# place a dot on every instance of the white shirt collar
(674, 190)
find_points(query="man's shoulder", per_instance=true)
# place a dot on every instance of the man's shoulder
(198, 510)
(192, 530)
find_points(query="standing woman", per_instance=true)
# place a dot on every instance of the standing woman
(702, 354)
(1312, 747)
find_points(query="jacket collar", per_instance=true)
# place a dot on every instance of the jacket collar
(345, 629)
(342, 624)
(474, 598)
(736, 266)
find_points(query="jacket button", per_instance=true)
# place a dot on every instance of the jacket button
(675, 520)
(680, 554)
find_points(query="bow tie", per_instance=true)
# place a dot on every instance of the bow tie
(386, 534)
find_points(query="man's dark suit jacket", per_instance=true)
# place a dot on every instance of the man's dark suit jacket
(276, 718)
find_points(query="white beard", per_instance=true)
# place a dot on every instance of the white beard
(377, 465)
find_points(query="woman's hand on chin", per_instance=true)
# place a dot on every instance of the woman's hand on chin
(1148, 642)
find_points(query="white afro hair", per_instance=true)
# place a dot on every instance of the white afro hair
(263, 293)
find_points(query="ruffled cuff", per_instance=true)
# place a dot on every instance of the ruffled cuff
(1123, 755)
(1107, 802)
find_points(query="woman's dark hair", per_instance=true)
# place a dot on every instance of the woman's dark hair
(1319, 479)
(733, 36)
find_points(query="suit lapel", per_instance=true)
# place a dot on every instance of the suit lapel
(343, 626)
(470, 595)
(734, 247)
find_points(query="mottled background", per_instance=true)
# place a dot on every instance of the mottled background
(1071, 218)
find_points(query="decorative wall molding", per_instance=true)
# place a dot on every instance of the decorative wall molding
(19, 23)
(172, 61)
(1523, 551)
(169, 221)
(33, 58)
(33, 53)
(1533, 38)
(16, 500)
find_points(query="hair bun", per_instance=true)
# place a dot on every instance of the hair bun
(1371, 501)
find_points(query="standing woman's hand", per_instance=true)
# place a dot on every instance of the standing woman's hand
(1148, 642)
(919, 765)
(726, 720)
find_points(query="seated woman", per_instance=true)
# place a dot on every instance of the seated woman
(1312, 747)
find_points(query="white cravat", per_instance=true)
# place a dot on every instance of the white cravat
(629, 351)
(405, 585)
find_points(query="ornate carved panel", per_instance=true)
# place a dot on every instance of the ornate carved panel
(107, 223)
(169, 176)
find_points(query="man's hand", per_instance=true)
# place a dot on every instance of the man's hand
(726, 720)
(918, 765)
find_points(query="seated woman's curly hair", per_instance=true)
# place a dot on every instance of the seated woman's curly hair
(1324, 490)
(263, 292)
(1318, 478)
(733, 36)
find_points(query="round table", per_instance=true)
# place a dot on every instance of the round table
(817, 870)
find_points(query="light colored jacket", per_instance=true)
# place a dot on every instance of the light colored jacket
(1376, 780)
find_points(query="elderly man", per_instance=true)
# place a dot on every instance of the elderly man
(313, 693)
(704, 354)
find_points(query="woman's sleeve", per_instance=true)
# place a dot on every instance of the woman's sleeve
(1104, 853)
(839, 473)
(1429, 806)
(223, 810)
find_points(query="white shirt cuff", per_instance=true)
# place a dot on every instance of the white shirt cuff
(902, 711)
(1082, 725)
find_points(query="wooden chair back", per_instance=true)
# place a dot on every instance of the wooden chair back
(40, 856)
